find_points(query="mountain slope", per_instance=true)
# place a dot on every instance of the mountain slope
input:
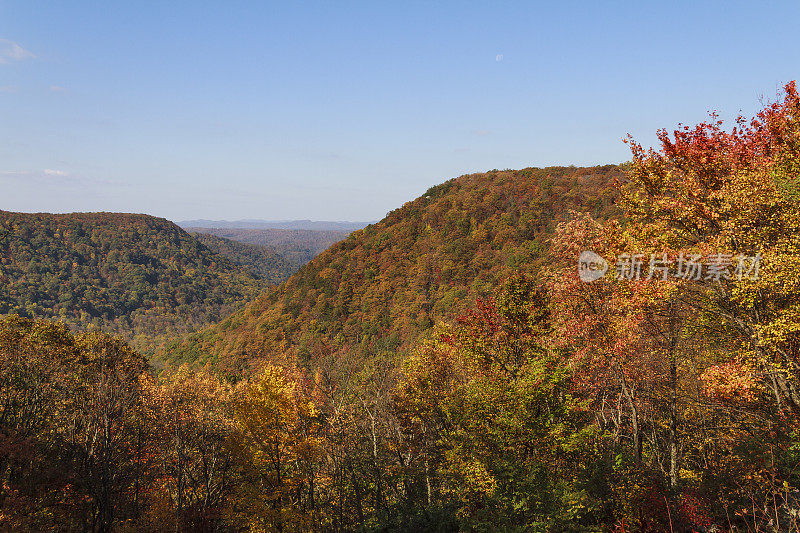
(134, 274)
(298, 247)
(383, 285)
(263, 262)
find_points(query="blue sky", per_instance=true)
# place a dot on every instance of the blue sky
(345, 110)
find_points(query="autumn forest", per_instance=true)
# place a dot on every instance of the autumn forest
(448, 368)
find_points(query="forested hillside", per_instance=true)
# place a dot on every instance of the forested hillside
(298, 247)
(260, 260)
(425, 261)
(133, 274)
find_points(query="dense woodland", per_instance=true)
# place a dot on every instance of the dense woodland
(428, 260)
(133, 274)
(262, 261)
(296, 246)
(446, 369)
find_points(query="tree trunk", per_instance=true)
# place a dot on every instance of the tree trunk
(637, 433)
(673, 423)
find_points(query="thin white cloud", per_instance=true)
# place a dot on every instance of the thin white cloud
(11, 51)
(51, 172)
(52, 177)
(46, 174)
(15, 173)
(8, 89)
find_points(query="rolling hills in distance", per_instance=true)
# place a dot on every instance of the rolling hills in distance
(313, 225)
(296, 246)
(382, 286)
(262, 261)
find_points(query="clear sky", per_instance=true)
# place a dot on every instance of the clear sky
(345, 110)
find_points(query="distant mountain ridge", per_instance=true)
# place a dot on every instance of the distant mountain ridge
(315, 225)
